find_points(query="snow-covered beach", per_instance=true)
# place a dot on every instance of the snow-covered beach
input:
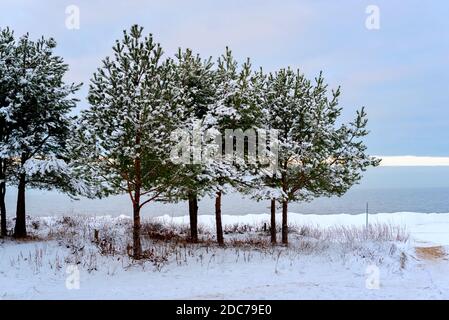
(234, 151)
(401, 256)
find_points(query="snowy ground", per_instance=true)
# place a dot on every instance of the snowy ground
(329, 257)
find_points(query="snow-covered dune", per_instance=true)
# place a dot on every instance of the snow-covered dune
(431, 228)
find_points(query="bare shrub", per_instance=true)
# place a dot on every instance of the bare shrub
(107, 247)
(402, 260)
(159, 258)
(309, 231)
(35, 225)
(237, 228)
(69, 221)
(250, 242)
(158, 232)
(310, 246)
(377, 232)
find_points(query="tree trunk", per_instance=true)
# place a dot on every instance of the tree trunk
(193, 214)
(220, 238)
(20, 227)
(3, 231)
(284, 221)
(137, 245)
(273, 221)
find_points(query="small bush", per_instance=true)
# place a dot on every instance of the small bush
(250, 243)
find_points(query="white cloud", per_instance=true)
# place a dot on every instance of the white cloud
(409, 161)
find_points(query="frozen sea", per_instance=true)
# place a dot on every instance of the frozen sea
(385, 189)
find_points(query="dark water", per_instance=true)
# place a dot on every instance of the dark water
(385, 189)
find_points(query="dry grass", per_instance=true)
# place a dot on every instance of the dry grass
(379, 232)
(156, 231)
(250, 242)
(430, 253)
(89, 240)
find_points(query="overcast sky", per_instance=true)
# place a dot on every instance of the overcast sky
(400, 72)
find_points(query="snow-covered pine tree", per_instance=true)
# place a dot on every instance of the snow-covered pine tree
(194, 78)
(317, 157)
(122, 144)
(263, 175)
(6, 56)
(236, 107)
(260, 185)
(37, 105)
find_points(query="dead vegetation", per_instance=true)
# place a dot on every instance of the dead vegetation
(89, 240)
(430, 253)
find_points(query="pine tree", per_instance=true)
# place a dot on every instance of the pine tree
(317, 157)
(262, 182)
(194, 78)
(123, 140)
(6, 56)
(36, 104)
(236, 107)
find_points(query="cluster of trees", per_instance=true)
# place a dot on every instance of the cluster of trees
(34, 121)
(124, 142)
